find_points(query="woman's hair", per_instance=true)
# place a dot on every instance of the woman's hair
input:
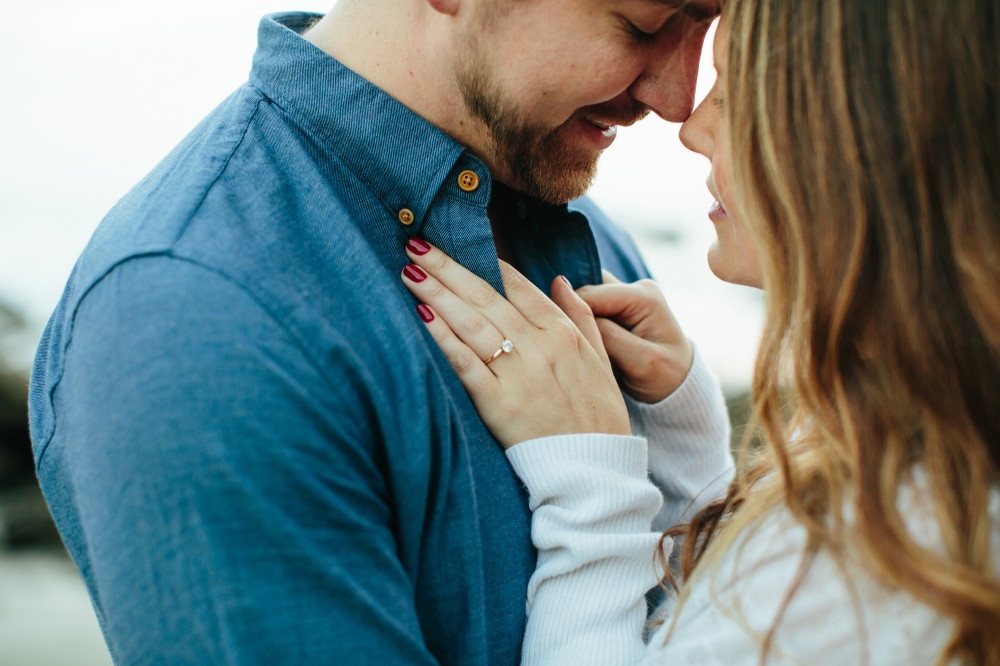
(865, 139)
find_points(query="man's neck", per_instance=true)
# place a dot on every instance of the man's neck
(412, 59)
(508, 209)
(503, 202)
(406, 49)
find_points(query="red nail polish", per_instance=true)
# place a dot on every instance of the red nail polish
(566, 280)
(425, 313)
(414, 273)
(418, 247)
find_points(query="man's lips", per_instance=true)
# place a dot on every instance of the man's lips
(600, 123)
(608, 128)
(595, 137)
(610, 123)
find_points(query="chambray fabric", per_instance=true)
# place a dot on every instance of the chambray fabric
(251, 446)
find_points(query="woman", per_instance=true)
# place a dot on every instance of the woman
(856, 147)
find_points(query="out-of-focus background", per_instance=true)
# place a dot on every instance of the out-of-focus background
(94, 94)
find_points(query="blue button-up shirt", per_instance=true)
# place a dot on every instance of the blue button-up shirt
(252, 448)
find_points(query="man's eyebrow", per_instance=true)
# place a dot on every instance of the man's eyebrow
(694, 10)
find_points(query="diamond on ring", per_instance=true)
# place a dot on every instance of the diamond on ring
(506, 347)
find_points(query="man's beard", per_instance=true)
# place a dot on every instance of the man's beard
(539, 160)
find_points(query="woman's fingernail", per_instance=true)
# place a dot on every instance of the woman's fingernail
(566, 280)
(425, 313)
(418, 247)
(414, 273)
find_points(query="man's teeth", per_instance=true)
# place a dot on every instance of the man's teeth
(606, 129)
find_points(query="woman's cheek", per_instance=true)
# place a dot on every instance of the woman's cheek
(733, 256)
(723, 254)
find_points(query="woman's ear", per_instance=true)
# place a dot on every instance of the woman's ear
(448, 7)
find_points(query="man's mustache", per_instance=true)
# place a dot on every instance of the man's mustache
(622, 112)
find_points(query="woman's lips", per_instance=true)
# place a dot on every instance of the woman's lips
(717, 213)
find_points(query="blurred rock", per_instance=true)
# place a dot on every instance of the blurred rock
(25, 521)
(24, 516)
(740, 406)
(16, 461)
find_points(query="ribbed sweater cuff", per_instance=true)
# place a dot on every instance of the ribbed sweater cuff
(688, 436)
(592, 509)
(695, 403)
(573, 467)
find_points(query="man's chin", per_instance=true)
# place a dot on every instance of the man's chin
(558, 171)
(562, 187)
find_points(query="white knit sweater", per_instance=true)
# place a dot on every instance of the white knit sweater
(593, 509)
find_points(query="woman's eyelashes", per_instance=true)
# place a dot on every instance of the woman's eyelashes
(719, 103)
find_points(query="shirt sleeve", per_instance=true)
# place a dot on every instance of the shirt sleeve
(222, 494)
(592, 508)
(689, 452)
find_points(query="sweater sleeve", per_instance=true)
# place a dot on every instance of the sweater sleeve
(839, 613)
(592, 509)
(688, 434)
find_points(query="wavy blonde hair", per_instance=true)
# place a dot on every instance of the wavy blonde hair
(865, 137)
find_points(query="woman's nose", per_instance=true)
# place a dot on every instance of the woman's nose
(698, 131)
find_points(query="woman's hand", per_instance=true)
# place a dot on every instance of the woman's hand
(557, 379)
(642, 338)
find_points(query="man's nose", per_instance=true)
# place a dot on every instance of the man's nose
(667, 85)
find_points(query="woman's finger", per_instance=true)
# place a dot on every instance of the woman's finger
(649, 371)
(467, 286)
(626, 350)
(475, 376)
(609, 277)
(628, 304)
(529, 300)
(580, 314)
(472, 327)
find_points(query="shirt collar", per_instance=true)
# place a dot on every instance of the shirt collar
(407, 163)
(398, 155)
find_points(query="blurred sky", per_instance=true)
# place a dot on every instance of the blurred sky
(93, 93)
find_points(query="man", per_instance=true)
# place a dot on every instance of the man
(253, 450)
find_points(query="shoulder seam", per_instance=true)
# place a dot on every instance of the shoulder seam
(222, 169)
(303, 350)
(71, 317)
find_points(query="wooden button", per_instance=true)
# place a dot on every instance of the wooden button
(406, 216)
(468, 180)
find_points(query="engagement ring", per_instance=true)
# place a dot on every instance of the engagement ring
(506, 347)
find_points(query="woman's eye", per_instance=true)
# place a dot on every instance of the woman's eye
(719, 102)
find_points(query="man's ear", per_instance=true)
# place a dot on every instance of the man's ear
(448, 7)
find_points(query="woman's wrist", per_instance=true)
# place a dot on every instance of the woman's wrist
(696, 403)
(573, 467)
